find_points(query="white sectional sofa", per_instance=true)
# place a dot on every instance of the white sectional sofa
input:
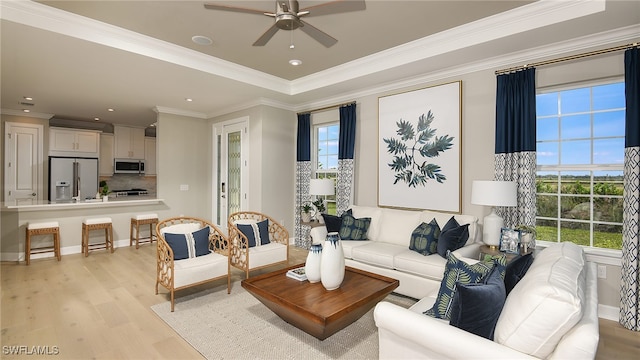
(386, 252)
(552, 313)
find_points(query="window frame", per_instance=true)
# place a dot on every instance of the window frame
(323, 173)
(590, 168)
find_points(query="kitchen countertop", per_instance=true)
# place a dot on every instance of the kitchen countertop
(44, 205)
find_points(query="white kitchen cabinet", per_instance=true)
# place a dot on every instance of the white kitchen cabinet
(150, 156)
(107, 142)
(129, 142)
(70, 142)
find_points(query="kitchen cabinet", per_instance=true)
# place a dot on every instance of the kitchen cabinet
(129, 142)
(107, 142)
(150, 156)
(71, 142)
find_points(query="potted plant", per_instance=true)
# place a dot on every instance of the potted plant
(104, 190)
(319, 204)
(306, 212)
(527, 237)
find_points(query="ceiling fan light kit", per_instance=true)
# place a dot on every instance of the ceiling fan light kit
(288, 17)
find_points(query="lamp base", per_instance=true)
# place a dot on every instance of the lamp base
(492, 228)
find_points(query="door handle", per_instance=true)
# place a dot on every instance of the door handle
(33, 194)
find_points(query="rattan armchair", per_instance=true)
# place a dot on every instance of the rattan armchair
(180, 274)
(247, 258)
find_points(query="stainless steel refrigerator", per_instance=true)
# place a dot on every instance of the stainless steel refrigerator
(71, 177)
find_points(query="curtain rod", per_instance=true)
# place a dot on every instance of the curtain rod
(327, 108)
(567, 58)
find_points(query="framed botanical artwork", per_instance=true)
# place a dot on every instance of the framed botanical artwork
(510, 241)
(419, 149)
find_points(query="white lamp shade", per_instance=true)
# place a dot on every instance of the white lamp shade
(494, 193)
(322, 187)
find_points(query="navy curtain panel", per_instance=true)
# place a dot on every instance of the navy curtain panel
(346, 145)
(630, 284)
(515, 143)
(303, 175)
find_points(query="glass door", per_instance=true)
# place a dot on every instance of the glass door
(231, 170)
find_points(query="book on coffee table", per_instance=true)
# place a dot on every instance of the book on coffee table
(297, 273)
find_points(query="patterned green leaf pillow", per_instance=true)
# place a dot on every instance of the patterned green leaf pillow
(424, 239)
(354, 229)
(457, 271)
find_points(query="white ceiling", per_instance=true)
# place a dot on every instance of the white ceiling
(78, 58)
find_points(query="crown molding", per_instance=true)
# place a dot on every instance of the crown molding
(535, 15)
(180, 112)
(250, 104)
(48, 18)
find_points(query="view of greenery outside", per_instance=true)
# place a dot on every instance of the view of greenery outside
(326, 141)
(580, 154)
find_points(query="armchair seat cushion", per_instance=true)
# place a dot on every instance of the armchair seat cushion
(198, 269)
(267, 254)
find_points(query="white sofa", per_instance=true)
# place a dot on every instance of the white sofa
(387, 250)
(551, 313)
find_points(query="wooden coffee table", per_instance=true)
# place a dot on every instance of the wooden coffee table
(315, 310)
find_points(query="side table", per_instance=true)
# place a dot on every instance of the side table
(486, 250)
(311, 224)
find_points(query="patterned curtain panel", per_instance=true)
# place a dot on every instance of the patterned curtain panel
(629, 302)
(515, 151)
(303, 175)
(346, 144)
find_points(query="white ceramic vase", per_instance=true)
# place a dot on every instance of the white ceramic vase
(306, 217)
(332, 264)
(312, 266)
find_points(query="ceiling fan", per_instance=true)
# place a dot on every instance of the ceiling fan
(288, 17)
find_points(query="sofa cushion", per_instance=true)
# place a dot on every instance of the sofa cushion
(354, 228)
(456, 272)
(374, 213)
(476, 307)
(257, 233)
(515, 271)
(546, 303)
(425, 266)
(396, 226)
(453, 236)
(189, 245)
(424, 239)
(377, 253)
(348, 245)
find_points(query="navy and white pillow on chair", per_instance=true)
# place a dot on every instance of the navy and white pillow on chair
(190, 244)
(257, 233)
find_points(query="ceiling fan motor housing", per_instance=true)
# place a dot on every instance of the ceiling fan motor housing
(287, 22)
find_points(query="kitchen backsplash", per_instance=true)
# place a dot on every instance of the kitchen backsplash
(131, 181)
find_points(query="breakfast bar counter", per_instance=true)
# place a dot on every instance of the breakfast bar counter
(16, 216)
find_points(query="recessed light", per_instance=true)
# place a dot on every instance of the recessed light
(28, 98)
(26, 110)
(295, 62)
(96, 118)
(110, 110)
(201, 40)
(188, 99)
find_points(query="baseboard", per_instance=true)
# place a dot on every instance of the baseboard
(609, 312)
(67, 250)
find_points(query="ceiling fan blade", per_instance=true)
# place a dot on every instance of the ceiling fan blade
(335, 7)
(264, 39)
(235, 9)
(319, 35)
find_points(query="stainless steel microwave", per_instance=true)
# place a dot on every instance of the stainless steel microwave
(128, 166)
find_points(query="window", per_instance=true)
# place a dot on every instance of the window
(580, 159)
(326, 157)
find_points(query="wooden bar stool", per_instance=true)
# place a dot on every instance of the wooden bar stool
(144, 219)
(44, 228)
(97, 224)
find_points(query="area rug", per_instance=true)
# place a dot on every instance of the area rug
(238, 326)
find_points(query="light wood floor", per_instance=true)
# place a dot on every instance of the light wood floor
(99, 308)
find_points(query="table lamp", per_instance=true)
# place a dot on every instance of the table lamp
(324, 187)
(493, 193)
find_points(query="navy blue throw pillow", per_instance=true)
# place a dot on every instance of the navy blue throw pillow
(453, 236)
(332, 222)
(257, 233)
(424, 239)
(515, 271)
(476, 307)
(189, 245)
